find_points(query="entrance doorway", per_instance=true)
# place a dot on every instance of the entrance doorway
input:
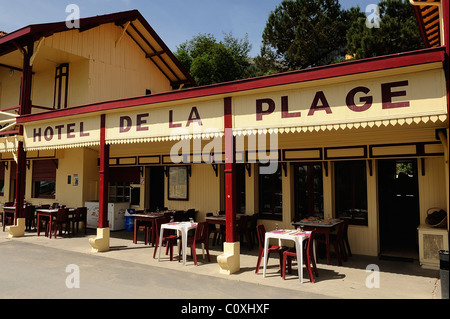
(398, 195)
(308, 189)
(156, 189)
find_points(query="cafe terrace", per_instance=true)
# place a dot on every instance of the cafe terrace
(100, 114)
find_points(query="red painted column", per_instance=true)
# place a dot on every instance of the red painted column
(104, 176)
(25, 108)
(445, 16)
(230, 173)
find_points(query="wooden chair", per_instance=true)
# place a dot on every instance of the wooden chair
(29, 213)
(346, 244)
(308, 259)
(167, 238)
(201, 236)
(261, 231)
(80, 216)
(7, 219)
(252, 229)
(62, 218)
(178, 216)
(213, 230)
(242, 230)
(191, 213)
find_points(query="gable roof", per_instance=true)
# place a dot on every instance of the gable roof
(135, 26)
(427, 15)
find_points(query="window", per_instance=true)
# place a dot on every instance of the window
(271, 195)
(121, 185)
(44, 179)
(351, 191)
(61, 86)
(308, 187)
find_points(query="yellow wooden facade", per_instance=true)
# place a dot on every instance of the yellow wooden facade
(105, 66)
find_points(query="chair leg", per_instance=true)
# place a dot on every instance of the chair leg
(258, 263)
(347, 244)
(194, 253)
(283, 268)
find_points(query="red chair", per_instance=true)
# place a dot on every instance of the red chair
(201, 236)
(147, 227)
(307, 260)
(62, 218)
(80, 216)
(261, 231)
(335, 240)
(167, 238)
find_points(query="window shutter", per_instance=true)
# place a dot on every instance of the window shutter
(44, 170)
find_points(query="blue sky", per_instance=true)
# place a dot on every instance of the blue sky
(175, 21)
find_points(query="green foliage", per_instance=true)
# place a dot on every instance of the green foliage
(304, 33)
(209, 61)
(398, 32)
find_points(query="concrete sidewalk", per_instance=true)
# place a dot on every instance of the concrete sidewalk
(397, 280)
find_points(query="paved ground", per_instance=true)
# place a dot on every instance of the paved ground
(35, 267)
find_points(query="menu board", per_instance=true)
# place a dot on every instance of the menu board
(178, 183)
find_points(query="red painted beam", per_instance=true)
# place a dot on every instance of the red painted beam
(25, 108)
(104, 176)
(230, 173)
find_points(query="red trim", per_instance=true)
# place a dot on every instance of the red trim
(421, 25)
(324, 72)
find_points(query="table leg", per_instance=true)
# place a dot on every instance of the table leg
(184, 244)
(38, 226)
(327, 237)
(135, 233)
(299, 249)
(160, 242)
(266, 240)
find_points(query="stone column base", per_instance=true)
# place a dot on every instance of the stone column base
(230, 260)
(101, 242)
(17, 230)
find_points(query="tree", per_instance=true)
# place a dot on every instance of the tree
(304, 33)
(397, 32)
(209, 61)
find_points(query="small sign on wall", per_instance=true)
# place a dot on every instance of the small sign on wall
(75, 180)
(72, 180)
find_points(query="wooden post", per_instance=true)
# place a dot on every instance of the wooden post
(25, 108)
(230, 174)
(104, 177)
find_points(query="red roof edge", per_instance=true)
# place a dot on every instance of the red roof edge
(424, 56)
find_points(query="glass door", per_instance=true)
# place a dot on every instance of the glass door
(308, 190)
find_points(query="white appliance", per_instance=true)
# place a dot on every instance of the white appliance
(116, 215)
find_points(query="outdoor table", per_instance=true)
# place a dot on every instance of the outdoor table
(321, 227)
(288, 234)
(50, 213)
(145, 217)
(180, 227)
(220, 220)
